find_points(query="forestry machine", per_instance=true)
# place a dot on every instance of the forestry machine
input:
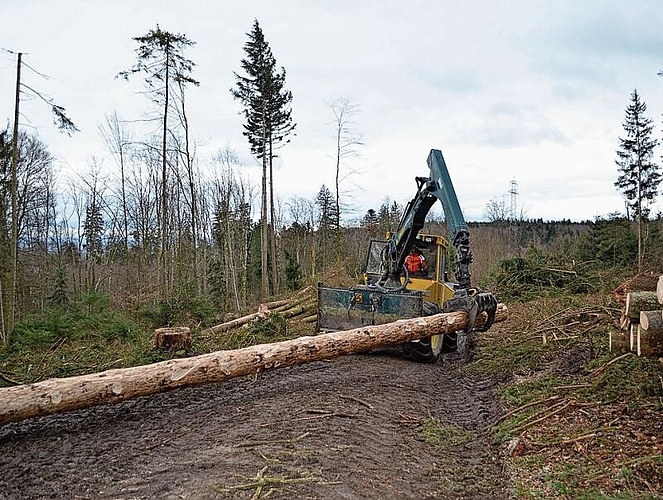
(390, 292)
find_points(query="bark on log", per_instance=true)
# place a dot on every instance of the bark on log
(619, 341)
(295, 302)
(659, 290)
(633, 337)
(235, 323)
(649, 343)
(652, 321)
(276, 303)
(178, 337)
(640, 301)
(297, 310)
(58, 395)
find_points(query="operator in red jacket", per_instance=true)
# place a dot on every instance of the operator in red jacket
(415, 262)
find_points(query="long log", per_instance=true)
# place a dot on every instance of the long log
(263, 310)
(300, 309)
(310, 319)
(229, 325)
(58, 395)
(640, 301)
(295, 302)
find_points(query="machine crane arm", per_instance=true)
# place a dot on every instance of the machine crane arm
(429, 189)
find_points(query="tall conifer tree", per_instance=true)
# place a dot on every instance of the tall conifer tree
(639, 177)
(268, 124)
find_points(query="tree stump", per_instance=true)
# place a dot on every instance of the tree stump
(178, 337)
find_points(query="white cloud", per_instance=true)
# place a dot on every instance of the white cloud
(531, 90)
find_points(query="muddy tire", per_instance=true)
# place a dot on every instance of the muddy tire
(426, 350)
(450, 342)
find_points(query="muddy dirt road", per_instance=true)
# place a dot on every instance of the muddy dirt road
(346, 428)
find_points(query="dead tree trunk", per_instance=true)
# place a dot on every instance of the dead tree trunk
(58, 395)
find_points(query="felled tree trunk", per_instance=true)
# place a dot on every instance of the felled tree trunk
(659, 290)
(650, 334)
(57, 395)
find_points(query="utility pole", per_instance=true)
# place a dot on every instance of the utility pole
(65, 125)
(14, 202)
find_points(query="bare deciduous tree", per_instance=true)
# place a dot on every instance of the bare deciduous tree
(348, 141)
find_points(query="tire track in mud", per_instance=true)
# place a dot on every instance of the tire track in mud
(346, 428)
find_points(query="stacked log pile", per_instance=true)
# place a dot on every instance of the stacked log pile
(642, 317)
(302, 306)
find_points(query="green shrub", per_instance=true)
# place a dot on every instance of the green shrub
(538, 273)
(92, 317)
(181, 309)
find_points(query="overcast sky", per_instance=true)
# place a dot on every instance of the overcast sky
(528, 90)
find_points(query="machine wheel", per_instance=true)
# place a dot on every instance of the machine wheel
(450, 342)
(426, 350)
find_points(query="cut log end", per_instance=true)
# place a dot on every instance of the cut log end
(649, 343)
(652, 321)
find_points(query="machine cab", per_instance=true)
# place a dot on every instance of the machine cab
(432, 282)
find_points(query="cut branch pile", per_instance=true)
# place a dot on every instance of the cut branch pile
(642, 317)
(570, 324)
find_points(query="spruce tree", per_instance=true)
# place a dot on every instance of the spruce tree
(639, 177)
(327, 221)
(268, 124)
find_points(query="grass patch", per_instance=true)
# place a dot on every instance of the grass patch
(79, 338)
(443, 435)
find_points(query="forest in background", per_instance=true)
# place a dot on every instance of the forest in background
(101, 238)
(165, 236)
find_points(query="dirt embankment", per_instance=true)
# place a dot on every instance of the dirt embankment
(348, 428)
